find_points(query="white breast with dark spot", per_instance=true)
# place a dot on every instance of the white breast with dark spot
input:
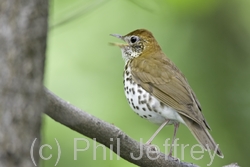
(145, 105)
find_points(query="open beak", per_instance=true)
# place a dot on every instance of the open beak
(121, 45)
(117, 36)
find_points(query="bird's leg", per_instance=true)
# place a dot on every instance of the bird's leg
(176, 126)
(157, 131)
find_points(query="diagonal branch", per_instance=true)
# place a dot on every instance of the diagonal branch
(106, 134)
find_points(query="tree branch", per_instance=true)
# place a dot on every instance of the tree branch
(232, 165)
(92, 127)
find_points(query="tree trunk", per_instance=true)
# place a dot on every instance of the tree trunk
(23, 30)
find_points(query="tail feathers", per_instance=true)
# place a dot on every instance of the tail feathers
(202, 136)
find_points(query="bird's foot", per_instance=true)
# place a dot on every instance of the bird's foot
(152, 147)
(175, 159)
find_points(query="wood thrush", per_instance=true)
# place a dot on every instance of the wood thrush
(157, 90)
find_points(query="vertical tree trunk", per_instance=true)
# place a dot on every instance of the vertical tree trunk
(23, 30)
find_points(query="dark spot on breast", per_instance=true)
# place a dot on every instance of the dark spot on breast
(139, 99)
(144, 95)
(162, 105)
(126, 66)
(150, 115)
(145, 116)
(148, 106)
(127, 92)
(143, 101)
(149, 98)
(144, 109)
(133, 90)
(128, 100)
(127, 79)
(133, 105)
(154, 109)
(137, 108)
(139, 91)
(127, 73)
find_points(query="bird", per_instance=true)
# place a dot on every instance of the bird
(158, 91)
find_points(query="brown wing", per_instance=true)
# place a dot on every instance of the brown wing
(157, 74)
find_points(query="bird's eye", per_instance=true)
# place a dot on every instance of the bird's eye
(133, 39)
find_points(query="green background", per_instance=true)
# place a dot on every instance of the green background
(207, 40)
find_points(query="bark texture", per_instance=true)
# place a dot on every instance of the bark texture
(23, 30)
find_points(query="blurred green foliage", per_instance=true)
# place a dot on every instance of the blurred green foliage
(208, 40)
